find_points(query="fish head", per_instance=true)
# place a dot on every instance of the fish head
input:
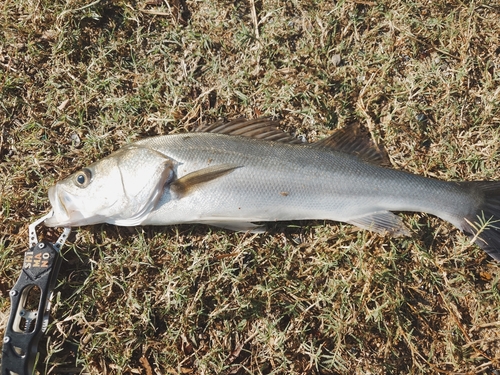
(120, 189)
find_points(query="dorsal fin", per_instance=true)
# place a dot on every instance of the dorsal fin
(350, 139)
(260, 128)
(353, 140)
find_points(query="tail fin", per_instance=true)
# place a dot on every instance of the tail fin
(483, 226)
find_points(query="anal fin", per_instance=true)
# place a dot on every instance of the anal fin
(382, 222)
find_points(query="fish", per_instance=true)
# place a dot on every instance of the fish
(242, 173)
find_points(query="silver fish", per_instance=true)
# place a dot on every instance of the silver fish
(242, 172)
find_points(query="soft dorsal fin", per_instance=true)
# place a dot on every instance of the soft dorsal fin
(261, 128)
(353, 140)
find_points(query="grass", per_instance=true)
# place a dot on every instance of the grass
(78, 80)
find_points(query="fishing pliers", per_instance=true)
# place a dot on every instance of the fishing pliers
(30, 302)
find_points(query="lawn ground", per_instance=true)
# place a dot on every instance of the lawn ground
(79, 79)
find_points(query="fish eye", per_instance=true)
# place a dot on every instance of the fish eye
(83, 178)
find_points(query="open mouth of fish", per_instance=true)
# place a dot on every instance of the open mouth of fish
(63, 214)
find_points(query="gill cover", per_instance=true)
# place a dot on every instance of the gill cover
(120, 189)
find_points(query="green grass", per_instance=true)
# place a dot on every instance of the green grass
(78, 80)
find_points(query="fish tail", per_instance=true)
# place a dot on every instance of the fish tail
(483, 225)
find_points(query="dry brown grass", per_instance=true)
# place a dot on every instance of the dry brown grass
(77, 80)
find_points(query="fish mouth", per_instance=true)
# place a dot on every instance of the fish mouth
(67, 212)
(64, 215)
(61, 216)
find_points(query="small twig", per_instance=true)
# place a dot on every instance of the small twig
(254, 19)
(155, 12)
(145, 363)
(173, 10)
(78, 9)
(486, 325)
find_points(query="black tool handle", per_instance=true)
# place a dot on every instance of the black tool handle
(30, 304)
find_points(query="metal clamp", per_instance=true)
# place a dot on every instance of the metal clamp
(30, 302)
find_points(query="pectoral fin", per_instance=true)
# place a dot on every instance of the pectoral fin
(382, 222)
(188, 183)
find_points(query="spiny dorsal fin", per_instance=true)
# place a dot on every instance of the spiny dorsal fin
(186, 184)
(260, 128)
(353, 140)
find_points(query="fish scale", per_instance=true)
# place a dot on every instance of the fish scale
(233, 181)
(319, 183)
